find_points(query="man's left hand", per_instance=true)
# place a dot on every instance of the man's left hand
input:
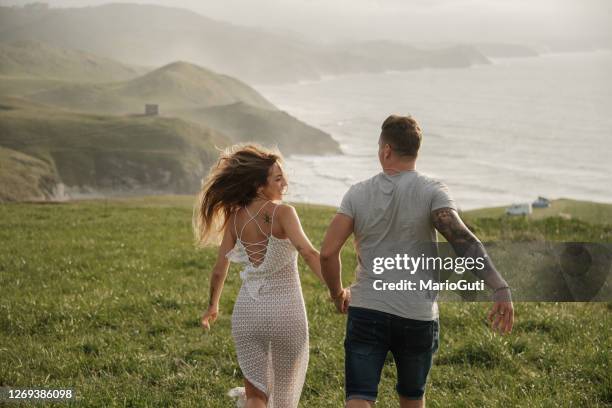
(342, 301)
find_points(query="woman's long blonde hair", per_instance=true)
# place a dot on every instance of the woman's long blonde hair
(231, 183)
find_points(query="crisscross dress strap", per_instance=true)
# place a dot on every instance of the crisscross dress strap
(253, 218)
(257, 249)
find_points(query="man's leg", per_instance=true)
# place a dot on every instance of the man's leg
(408, 403)
(413, 346)
(358, 403)
(366, 347)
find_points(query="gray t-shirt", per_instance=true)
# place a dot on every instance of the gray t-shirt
(391, 216)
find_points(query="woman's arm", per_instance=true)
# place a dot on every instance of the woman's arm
(217, 278)
(290, 223)
(338, 232)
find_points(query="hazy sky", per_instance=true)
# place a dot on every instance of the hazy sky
(531, 21)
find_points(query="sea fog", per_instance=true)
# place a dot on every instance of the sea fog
(495, 134)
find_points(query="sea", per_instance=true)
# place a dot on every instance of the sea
(496, 134)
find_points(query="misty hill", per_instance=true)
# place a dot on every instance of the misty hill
(179, 85)
(243, 123)
(504, 50)
(188, 91)
(27, 58)
(390, 55)
(47, 152)
(19, 86)
(154, 35)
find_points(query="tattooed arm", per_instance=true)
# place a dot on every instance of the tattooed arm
(466, 244)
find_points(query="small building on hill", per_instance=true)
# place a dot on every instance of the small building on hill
(151, 109)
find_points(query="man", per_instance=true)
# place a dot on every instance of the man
(397, 210)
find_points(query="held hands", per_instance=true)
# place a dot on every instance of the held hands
(210, 316)
(501, 315)
(342, 300)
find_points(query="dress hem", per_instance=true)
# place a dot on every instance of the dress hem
(256, 384)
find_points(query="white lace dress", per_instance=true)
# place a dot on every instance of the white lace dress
(269, 324)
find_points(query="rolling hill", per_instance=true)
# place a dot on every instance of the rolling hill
(28, 58)
(243, 123)
(97, 154)
(58, 139)
(153, 35)
(194, 93)
(178, 85)
(506, 50)
(20, 86)
(393, 55)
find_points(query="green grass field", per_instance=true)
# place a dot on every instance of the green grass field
(106, 296)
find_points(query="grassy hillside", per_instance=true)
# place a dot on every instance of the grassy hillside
(90, 153)
(153, 36)
(597, 213)
(243, 123)
(179, 85)
(107, 299)
(27, 58)
(194, 93)
(97, 153)
(19, 86)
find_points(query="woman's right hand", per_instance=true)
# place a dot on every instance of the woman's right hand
(209, 316)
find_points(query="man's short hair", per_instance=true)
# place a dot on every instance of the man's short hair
(403, 134)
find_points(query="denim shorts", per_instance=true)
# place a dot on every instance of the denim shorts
(370, 335)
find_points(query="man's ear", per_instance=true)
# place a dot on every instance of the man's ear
(387, 151)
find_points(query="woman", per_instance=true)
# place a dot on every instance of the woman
(269, 323)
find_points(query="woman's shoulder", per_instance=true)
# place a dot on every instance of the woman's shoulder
(283, 210)
(283, 206)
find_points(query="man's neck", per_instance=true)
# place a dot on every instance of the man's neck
(397, 168)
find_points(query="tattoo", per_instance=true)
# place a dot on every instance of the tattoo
(267, 218)
(466, 244)
(447, 221)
